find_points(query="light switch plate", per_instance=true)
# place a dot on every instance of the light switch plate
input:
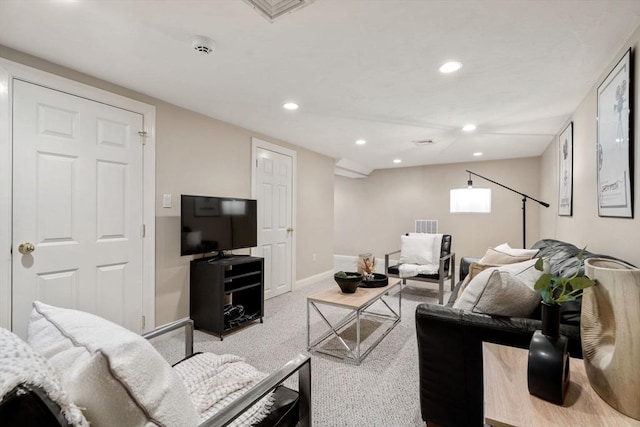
(166, 200)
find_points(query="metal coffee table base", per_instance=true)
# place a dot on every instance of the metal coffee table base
(356, 353)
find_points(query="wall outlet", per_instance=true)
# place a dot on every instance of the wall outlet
(314, 257)
(166, 200)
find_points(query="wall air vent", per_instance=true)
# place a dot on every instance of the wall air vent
(273, 9)
(427, 226)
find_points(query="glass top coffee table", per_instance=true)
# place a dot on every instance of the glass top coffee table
(365, 303)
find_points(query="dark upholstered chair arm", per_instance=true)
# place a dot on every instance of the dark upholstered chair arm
(450, 358)
(465, 263)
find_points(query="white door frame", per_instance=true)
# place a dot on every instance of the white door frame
(258, 143)
(9, 71)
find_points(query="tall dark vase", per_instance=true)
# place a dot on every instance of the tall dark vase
(548, 367)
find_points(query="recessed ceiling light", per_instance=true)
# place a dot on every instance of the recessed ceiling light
(361, 142)
(450, 67)
(291, 106)
(397, 160)
(469, 127)
(478, 154)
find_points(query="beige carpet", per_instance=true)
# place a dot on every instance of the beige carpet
(382, 391)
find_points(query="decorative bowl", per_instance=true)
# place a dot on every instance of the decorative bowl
(349, 284)
(378, 281)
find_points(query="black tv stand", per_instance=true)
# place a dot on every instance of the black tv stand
(231, 279)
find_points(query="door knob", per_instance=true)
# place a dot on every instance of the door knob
(26, 248)
(290, 229)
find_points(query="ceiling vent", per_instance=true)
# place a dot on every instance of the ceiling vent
(273, 9)
(424, 142)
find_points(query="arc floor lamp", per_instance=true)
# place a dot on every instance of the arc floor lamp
(479, 200)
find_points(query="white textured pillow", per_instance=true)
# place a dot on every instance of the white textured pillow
(418, 248)
(505, 248)
(526, 275)
(113, 372)
(503, 295)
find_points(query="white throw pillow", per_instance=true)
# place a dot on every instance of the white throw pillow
(514, 252)
(114, 373)
(520, 299)
(507, 295)
(419, 248)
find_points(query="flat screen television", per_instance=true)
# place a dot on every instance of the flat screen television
(217, 224)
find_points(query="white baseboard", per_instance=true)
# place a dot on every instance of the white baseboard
(314, 279)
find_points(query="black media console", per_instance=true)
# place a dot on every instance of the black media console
(235, 282)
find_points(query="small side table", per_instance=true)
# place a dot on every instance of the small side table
(507, 401)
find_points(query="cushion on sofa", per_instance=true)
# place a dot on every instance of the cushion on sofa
(475, 268)
(113, 372)
(502, 291)
(516, 251)
(495, 256)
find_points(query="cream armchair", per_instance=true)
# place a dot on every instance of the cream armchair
(444, 263)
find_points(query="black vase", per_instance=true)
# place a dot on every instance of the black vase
(548, 367)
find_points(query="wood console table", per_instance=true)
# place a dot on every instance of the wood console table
(507, 401)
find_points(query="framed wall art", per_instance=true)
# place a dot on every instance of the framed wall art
(565, 177)
(614, 150)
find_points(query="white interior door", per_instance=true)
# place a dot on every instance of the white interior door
(274, 192)
(78, 199)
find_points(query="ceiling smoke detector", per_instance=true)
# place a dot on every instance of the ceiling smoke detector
(202, 44)
(424, 142)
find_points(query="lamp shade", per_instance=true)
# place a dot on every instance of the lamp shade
(476, 200)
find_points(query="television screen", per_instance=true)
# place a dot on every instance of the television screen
(215, 224)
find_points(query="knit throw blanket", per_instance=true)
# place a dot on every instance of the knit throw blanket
(411, 270)
(19, 364)
(213, 381)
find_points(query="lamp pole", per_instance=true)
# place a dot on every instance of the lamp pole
(524, 204)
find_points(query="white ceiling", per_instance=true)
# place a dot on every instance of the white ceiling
(358, 68)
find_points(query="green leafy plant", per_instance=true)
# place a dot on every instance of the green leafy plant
(556, 290)
(343, 275)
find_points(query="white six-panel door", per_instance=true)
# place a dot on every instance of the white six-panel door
(274, 187)
(78, 198)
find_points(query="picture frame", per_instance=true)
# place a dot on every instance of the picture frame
(614, 149)
(565, 171)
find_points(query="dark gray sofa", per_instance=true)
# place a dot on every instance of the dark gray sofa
(450, 343)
